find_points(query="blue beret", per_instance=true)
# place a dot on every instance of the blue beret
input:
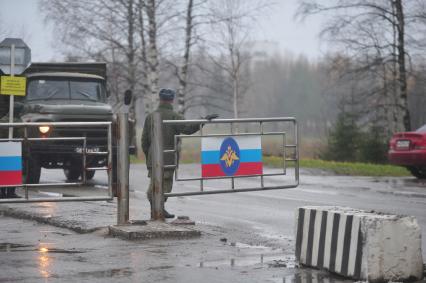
(167, 94)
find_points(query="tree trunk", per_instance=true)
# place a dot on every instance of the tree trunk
(183, 78)
(131, 79)
(144, 60)
(152, 52)
(402, 79)
(235, 94)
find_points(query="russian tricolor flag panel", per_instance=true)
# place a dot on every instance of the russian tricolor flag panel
(231, 156)
(10, 163)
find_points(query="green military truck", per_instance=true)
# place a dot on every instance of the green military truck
(65, 92)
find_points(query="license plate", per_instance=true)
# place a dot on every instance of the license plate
(88, 149)
(403, 144)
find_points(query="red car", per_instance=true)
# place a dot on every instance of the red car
(409, 149)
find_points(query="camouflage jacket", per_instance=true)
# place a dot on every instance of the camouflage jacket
(169, 132)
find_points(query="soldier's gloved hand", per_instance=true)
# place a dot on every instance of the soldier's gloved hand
(211, 117)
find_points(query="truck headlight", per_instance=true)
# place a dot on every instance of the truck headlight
(44, 129)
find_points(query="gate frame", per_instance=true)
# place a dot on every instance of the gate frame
(261, 122)
(84, 152)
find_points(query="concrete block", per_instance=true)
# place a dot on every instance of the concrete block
(359, 244)
(152, 230)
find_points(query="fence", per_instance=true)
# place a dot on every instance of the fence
(262, 122)
(26, 141)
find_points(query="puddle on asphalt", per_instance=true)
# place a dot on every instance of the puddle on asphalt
(115, 272)
(60, 251)
(266, 257)
(160, 267)
(275, 260)
(310, 276)
(252, 255)
(12, 247)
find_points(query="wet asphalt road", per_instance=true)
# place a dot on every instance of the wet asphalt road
(258, 228)
(271, 213)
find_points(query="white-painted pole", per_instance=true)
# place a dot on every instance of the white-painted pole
(11, 103)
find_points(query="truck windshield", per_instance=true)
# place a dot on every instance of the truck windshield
(45, 89)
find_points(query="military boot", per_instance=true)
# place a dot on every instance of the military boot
(168, 215)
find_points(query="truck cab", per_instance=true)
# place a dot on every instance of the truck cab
(65, 92)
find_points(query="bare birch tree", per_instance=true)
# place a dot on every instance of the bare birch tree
(102, 29)
(153, 75)
(374, 33)
(183, 71)
(231, 27)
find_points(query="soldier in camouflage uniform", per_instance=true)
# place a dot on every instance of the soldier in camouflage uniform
(169, 131)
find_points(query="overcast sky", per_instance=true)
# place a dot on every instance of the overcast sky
(22, 18)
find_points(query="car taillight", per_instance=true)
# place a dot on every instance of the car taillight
(420, 145)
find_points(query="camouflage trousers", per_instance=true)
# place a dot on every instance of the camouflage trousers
(167, 183)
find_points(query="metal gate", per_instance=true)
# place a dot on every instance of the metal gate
(290, 152)
(26, 140)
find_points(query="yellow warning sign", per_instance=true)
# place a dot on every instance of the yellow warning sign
(13, 85)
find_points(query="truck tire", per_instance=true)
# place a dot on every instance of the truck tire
(72, 170)
(418, 172)
(32, 175)
(90, 174)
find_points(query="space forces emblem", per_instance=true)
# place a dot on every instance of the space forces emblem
(229, 156)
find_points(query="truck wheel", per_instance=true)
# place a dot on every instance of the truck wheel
(418, 172)
(34, 170)
(72, 170)
(90, 175)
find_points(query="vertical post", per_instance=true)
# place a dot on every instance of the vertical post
(262, 181)
(11, 101)
(123, 169)
(232, 178)
(84, 160)
(27, 163)
(296, 137)
(110, 169)
(157, 207)
(202, 180)
(285, 153)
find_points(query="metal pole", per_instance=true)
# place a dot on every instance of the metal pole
(11, 101)
(27, 163)
(202, 180)
(84, 160)
(157, 206)
(123, 169)
(109, 166)
(297, 140)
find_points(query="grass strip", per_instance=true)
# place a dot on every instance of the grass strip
(344, 168)
(339, 168)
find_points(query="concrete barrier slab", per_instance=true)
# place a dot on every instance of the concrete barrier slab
(152, 230)
(359, 244)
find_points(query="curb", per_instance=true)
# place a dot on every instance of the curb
(54, 221)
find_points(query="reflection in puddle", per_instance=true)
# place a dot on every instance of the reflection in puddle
(270, 260)
(11, 247)
(310, 276)
(116, 272)
(44, 261)
(44, 254)
(282, 262)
